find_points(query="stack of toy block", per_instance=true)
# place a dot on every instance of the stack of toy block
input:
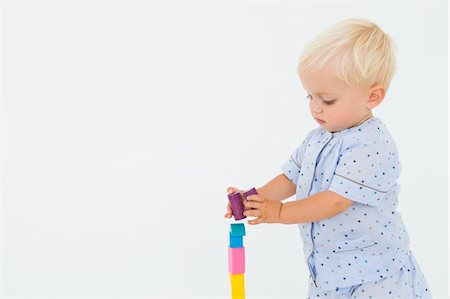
(236, 260)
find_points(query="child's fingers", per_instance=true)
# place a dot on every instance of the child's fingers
(232, 190)
(251, 204)
(255, 197)
(255, 221)
(229, 211)
(252, 213)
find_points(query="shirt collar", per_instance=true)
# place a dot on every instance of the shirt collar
(366, 123)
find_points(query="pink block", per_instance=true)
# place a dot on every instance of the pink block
(236, 260)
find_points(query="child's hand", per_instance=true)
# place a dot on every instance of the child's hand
(229, 213)
(266, 210)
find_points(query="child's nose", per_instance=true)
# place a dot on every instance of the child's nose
(315, 107)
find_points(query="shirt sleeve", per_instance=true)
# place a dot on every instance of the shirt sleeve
(366, 170)
(291, 168)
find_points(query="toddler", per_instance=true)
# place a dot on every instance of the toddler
(344, 174)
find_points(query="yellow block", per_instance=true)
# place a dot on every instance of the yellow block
(237, 286)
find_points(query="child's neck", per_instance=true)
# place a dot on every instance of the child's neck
(368, 116)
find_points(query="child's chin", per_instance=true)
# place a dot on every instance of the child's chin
(329, 128)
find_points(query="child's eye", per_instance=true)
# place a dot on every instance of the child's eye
(328, 102)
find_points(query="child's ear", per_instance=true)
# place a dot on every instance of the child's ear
(376, 96)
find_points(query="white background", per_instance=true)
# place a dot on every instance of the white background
(123, 123)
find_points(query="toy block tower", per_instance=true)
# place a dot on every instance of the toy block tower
(236, 250)
(236, 260)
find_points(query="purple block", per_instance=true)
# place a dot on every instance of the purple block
(249, 192)
(237, 205)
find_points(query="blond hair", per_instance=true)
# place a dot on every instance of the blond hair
(359, 51)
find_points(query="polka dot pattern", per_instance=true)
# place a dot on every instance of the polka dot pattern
(368, 241)
(408, 282)
(367, 169)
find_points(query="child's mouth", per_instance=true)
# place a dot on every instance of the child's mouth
(319, 121)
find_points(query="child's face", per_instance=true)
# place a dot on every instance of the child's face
(335, 105)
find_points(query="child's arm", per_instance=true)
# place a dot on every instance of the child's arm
(319, 206)
(279, 188)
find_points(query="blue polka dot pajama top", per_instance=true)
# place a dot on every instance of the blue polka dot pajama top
(363, 252)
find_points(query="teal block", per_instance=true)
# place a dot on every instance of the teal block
(237, 229)
(236, 241)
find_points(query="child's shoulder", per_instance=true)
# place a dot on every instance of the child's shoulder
(371, 134)
(371, 129)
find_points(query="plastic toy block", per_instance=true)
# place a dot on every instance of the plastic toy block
(237, 205)
(236, 241)
(237, 286)
(236, 260)
(237, 229)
